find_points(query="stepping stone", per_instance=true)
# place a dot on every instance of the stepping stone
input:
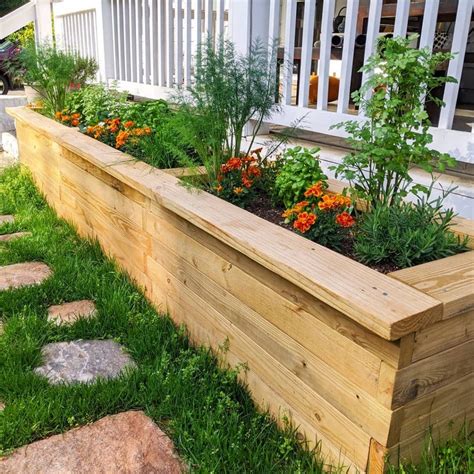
(125, 443)
(68, 313)
(14, 236)
(23, 274)
(8, 219)
(83, 361)
(2, 406)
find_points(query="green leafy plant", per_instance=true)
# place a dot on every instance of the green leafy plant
(229, 90)
(407, 234)
(299, 168)
(52, 72)
(96, 102)
(395, 136)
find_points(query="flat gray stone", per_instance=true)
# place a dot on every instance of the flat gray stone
(7, 219)
(23, 274)
(2, 406)
(83, 361)
(14, 236)
(68, 313)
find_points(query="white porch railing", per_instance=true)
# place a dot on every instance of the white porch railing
(148, 46)
(37, 11)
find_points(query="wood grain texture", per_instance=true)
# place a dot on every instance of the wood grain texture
(450, 280)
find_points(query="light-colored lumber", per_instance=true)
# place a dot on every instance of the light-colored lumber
(450, 280)
(348, 398)
(443, 335)
(427, 375)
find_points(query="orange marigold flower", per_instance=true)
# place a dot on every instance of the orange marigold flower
(254, 170)
(129, 124)
(74, 122)
(219, 188)
(315, 190)
(238, 190)
(234, 163)
(288, 213)
(121, 139)
(147, 130)
(58, 115)
(76, 116)
(304, 222)
(246, 181)
(299, 206)
(65, 118)
(345, 219)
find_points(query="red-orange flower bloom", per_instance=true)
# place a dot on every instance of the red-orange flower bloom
(345, 219)
(121, 139)
(304, 222)
(128, 124)
(238, 190)
(315, 190)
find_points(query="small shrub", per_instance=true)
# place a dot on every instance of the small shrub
(322, 217)
(407, 234)
(299, 168)
(52, 73)
(395, 136)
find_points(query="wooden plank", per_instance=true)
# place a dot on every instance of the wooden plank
(443, 335)
(322, 415)
(325, 54)
(443, 404)
(455, 68)
(381, 304)
(427, 375)
(349, 399)
(450, 280)
(306, 52)
(283, 304)
(376, 461)
(290, 25)
(411, 449)
(350, 30)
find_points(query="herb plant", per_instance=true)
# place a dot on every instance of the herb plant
(407, 234)
(52, 73)
(395, 136)
(299, 168)
(228, 91)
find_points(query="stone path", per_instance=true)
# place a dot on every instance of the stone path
(23, 274)
(7, 219)
(125, 443)
(14, 236)
(68, 313)
(83, 361)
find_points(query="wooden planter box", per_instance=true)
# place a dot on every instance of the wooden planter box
(363, 362)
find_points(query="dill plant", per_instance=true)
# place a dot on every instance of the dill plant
(228, 91)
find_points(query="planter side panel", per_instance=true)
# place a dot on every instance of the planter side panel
(434, 389)
(305, 360)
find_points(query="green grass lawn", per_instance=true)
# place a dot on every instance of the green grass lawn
(207, 413)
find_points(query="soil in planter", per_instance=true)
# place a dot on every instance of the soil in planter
(262, 206)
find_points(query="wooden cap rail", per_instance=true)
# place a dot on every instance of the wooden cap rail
(382, 304)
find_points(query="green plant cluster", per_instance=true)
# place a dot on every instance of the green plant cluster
(53, 73)
(298, 169)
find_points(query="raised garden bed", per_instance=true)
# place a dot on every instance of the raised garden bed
(363, 362)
